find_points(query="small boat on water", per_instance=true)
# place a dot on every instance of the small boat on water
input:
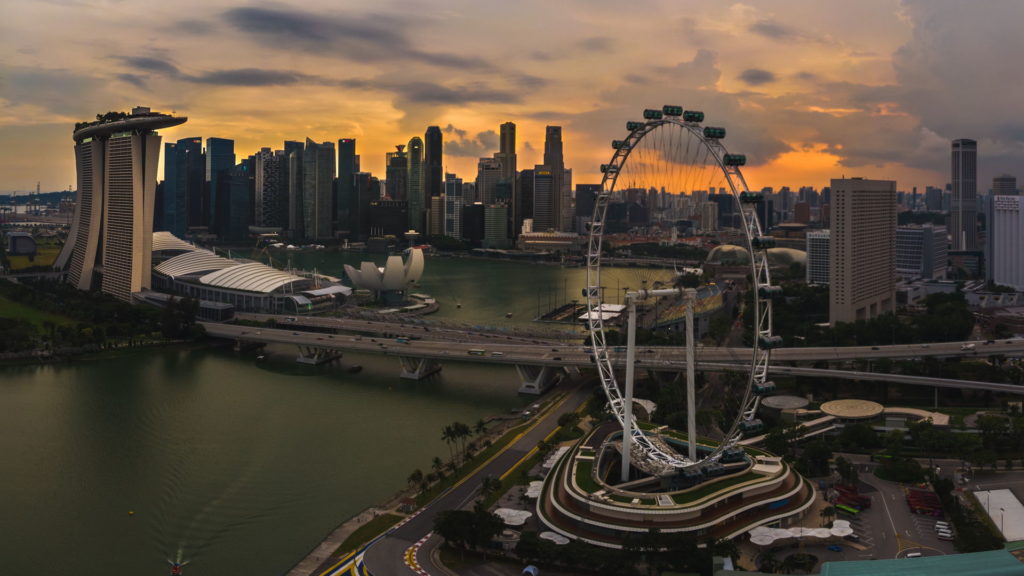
(508, 314)
(355, 369)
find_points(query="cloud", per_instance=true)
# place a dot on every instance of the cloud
(597, 44)
(149, 64)
(481, 145)
(369, 38)
(425, 93)
(254, 77)
(783, 33)
(133, 79)
(756, 76)
(195, 27)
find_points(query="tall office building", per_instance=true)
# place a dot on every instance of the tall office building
(112, 232)
(507, 151)
(1007, 259)
(418, 204)
(220, 158)
(555, 163)
(545, 187)
(348, 166)
(317, 189)
(524, 199)
(397, 174)
(495, 226)
(862, 266)
(452, 206)
(488, 174)
(817, 257)
(709, 216)
(964, 203)
(1004, 185)
(234, 202)
(433, 162)
(271, 200)
(184, 182)
(293, 177)
(922, 252)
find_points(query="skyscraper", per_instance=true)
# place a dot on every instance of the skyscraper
(433, 162)
(452, 206)
(112, 231)
(1007, 259)
(417, 202)
(220, 157)
(544, 191)
(817, 257)
(921, 252)
(488, 174)
(507, 151)
(184, 185)
(555, 163)
(271, 202)
(862, 264)
(293, 176)
(348, 165)
(964, 207)
(317, 189)
(1004, 185)
(397, 174)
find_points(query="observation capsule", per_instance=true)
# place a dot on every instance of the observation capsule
(651, 114)
(591, 292)
(712, 132)
(693, 116)
(764, 388)
(751, 197)
(734, 160)
(763, 242)
(769, 342)
(751, 426)
(617, 144)
(672, 110)
(770, 292)
(631, 125)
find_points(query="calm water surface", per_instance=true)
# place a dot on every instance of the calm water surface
(241, 466)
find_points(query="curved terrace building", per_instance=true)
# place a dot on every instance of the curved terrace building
(110, 243)
(748, 488)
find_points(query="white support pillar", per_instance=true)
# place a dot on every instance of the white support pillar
(690, 296)
(627, 420)
(418, 368)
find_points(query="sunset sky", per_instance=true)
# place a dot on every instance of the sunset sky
(809, 90)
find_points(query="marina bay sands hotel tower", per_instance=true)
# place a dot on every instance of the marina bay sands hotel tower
(111, 240)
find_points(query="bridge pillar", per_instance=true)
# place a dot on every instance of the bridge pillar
(316, 356)
(537, 379)
(418, 368)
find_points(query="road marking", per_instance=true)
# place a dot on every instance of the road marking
(410, 555)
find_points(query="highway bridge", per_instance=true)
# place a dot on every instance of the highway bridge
(421, 349)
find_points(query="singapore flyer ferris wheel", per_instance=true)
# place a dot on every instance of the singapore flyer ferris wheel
(671, 151)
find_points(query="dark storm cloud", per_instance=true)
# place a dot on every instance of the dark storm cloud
(756, 76)
(364, 38)
(148, 64)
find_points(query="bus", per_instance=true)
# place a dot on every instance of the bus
(477, 351)
(847, 509)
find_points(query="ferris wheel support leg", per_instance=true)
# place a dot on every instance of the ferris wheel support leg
(627, 418)
(690, 296)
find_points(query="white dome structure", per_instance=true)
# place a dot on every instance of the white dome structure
(391, 281)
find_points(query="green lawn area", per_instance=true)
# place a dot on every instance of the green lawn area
(711, 488)
(585, 476)
(12, 309)
(367, 532)
(46, 255)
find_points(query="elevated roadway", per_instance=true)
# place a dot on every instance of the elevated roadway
(521, 351)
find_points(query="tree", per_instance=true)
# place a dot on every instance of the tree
(438, 466)
(448, 435)
(489, 485)
(847, 471)
(827, 514)
(415, 478)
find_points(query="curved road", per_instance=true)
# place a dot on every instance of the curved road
(387, 555)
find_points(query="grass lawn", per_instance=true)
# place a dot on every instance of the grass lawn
(45, 256)
(367, 532)
(12, 309)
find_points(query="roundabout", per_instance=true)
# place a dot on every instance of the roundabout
(628, 477)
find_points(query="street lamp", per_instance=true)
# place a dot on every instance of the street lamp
(1001, 513)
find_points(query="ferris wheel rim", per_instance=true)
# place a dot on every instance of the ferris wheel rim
(762, 325)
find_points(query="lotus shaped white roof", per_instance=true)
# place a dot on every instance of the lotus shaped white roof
(395, 275)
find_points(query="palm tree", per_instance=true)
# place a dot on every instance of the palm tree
(416, 477)
(827, 513)
(438, 466)
(480, 427)
(448, 435)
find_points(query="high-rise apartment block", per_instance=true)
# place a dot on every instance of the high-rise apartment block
(922, 252)
(111, 235)
(817, 257)
(862, 251)
(1007, 258)
(964, 207)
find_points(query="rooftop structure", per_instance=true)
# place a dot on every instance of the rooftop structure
(391, 281)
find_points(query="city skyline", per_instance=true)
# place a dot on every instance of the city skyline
(877, 89)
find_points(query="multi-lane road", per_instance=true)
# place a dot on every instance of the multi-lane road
(448, 344)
